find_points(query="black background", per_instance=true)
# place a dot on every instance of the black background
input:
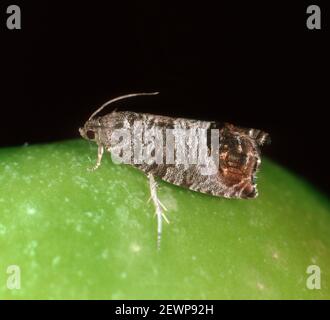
(252, 63)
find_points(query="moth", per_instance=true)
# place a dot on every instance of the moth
(215, 158)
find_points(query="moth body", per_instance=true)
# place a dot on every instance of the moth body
(204, 156)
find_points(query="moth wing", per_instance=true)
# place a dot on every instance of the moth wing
(239, 160)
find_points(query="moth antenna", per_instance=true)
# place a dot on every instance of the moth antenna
(121, 98)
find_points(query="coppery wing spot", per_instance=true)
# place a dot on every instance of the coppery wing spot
(238, 160)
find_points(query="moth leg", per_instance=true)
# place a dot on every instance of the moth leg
(158, 206)
(100, 151)
(162, 205)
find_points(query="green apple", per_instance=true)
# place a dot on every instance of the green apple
(67, 233)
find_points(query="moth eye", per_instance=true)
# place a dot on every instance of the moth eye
(90, 134)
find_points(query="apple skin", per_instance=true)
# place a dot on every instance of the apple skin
(76, 234)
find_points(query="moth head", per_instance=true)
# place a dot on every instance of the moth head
(90, 131)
